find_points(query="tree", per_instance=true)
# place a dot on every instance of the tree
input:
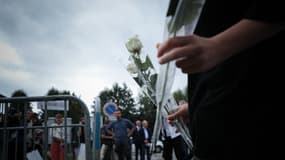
(147, 109)
(122, 96)
(180, 95)
(20, 106)
(74, 108)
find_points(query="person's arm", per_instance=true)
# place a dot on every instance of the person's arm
(110, 129)
(131, 126)
(243, 35)
(181, 112)
(107, 137)
(130, 133)
(104, 136)
(110, 132)
(197, 54)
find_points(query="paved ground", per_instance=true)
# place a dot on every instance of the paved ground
(155, 156)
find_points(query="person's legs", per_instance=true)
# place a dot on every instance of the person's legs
(19, 146)
(180, 148)
(119, 149)
(108, 152)
(11, 149)
(142, 153)
(61, 152)
(114, 156)
(137, 151)
(103, 151)
(167, 149)
(127, 150)
(147, 151)
(55, 150)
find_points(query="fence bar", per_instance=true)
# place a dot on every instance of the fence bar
(5, 130)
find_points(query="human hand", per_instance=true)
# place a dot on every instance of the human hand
(145, 141)
(182, 111)
(192, 53)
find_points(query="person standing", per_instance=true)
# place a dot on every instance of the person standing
(29, 135)
(80, 148)
(106, 152)
(147, 139)
(138, 140)
(81, 132)
(172, 141)
(234, 64)
(57, 145)
(181, 111)
(122, 129)
(15, 118)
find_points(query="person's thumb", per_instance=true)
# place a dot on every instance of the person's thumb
(158, 45)
(171, 117)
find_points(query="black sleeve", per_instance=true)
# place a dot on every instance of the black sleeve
(269, 11)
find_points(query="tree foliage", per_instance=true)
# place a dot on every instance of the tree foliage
(147, 109)
(20, 106)
(121, 96)
(75, 111)
(180, 95)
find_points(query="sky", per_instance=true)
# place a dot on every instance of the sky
(76, 45)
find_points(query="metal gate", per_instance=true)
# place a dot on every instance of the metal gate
(21, 140)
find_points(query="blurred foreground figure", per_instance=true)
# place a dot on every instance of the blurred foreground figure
(234, 67)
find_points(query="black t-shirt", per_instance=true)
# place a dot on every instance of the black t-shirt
(104, 131)
(233, 107)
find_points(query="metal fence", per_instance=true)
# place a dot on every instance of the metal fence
(21, 140)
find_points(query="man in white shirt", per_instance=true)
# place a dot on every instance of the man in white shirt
(172, 140)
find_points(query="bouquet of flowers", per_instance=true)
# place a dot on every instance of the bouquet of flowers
(143, 72)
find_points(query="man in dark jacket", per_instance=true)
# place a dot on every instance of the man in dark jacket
(147, 139)
(138, 140)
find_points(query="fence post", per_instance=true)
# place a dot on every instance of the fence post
(97, 126)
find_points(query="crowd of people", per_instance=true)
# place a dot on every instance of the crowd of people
(118, 136)
(16, 139)
(27, 135)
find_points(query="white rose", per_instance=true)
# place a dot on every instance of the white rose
(132, 68)
(134, 45)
